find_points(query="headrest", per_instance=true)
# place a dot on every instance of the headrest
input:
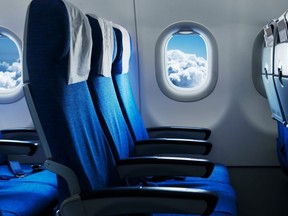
(269, 32)
(124, 49)
(282, 27)
(80, 45)
(107, 46)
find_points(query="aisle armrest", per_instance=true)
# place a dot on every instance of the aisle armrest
(179, 132)
(158, 146)
(141, 200)
(164, 166)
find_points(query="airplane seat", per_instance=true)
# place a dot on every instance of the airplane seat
(132, 115)
(280, 68)
(25, 189)
(135, 121)
(121, 63)
(113, 123)
(280, 63)
(62, 110)
(270, 36)
(140, 134)
(109, 111)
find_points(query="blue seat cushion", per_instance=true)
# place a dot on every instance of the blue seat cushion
(28, 198)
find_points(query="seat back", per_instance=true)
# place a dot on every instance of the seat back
(64, 113)
(281, 83)
(120, 74)
(102, 90)
(270, 36)
(281, 63)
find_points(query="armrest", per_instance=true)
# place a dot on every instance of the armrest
(172, 146)
(20, 134)
(164, 166)
(141, 200)
(17, 147)
(179, 132)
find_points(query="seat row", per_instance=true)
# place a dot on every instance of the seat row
(275, 79)
(77, 88)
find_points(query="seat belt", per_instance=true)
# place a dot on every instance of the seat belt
(17, 171)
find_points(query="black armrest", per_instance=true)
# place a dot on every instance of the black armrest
(179, 132)
(20, 134)
(158, 146)
(164, 166)
(141, 200)
(17, 147)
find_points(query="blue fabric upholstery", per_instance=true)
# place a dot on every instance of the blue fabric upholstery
(33, 194)
(120, 139)
(27, 198)
(71, 126)
(126, 99)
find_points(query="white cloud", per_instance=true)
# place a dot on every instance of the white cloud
(10, 75)
(186, 70)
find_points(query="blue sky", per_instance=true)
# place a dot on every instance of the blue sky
(191, 43)
(8, 50)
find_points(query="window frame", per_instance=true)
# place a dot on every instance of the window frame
(15, 94)
(186, 94)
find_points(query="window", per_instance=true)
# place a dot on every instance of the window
(10, 67)
(186, 61)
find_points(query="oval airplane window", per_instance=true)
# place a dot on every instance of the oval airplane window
(10, 67)
(186, 61)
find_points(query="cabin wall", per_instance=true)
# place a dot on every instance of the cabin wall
(237, 114)
(243, 133)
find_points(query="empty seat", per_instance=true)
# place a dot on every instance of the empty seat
(106, 104)
(109, 111)
(270, 36)
(275, 79)
(89, 182)
(130, 110)
(281, 64)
